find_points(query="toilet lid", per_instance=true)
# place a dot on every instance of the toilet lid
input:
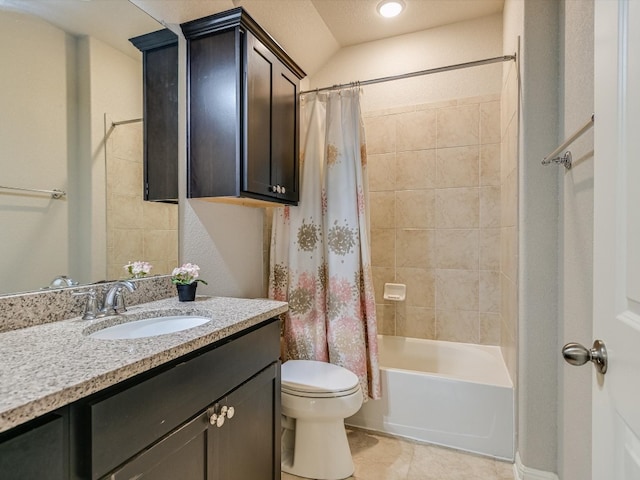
(318, 379)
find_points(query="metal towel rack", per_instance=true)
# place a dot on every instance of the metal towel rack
(566, 158)
(55, 193)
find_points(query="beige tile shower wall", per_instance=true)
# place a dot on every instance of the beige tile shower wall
(509, 218)
(435, 192)
(136, 230)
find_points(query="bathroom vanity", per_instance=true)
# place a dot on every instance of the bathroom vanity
(200, 403)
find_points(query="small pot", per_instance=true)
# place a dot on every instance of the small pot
(187, 293)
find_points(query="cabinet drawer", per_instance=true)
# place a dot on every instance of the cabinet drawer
(128, 421)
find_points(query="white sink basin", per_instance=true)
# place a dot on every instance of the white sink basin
(150, 327)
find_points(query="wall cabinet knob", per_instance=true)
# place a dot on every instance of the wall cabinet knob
(220, 421)
(231, 412)
(213, 419)
(284, 190)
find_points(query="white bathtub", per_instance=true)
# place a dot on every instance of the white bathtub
(453, 394)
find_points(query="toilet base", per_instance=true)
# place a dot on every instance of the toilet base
(326, 454)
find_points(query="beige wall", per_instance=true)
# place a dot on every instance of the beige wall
(576, 230)
(36, 141)
(136, 230)
(456, 43)
(111, 84)
(536, 25)
(56, 139)
(434, 179)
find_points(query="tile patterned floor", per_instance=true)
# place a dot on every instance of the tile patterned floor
(380, 457)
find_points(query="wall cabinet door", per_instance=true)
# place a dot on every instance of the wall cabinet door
(271, 124)
(160, 70)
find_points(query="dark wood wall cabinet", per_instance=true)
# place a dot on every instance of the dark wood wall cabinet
(160, 70)
(213, 414)
(243, 111)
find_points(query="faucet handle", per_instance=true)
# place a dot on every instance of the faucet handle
(119, 302)
(91, 308)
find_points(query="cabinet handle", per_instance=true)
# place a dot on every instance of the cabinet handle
(213, 418)
(217, 419)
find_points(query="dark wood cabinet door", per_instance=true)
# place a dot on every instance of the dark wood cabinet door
(258, 124)
(37, 451)
(213, 168)
(247, 446)
(271, 125)
(285, 146)
(160, 67)
(161, 124)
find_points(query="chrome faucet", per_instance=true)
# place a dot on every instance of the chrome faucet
(62, 281)
(114, 298)
(113, 303)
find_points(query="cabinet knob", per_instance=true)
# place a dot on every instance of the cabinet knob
(273, 188)
(220, 421)
(279, 189)
(231, 412)
(213, 419)
(284, 190)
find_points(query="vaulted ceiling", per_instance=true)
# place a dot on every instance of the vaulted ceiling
(311, 31)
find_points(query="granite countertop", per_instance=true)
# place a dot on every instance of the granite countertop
(47, 366)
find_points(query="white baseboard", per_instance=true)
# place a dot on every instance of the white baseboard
(522, 472)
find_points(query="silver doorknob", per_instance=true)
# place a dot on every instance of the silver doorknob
(577, 354)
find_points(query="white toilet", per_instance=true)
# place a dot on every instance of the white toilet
(316, 398)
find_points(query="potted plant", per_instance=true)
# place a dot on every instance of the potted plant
(185, 278)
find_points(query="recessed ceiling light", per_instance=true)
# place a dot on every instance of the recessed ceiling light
(390, 8)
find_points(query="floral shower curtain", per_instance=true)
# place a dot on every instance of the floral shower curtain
(320, 258)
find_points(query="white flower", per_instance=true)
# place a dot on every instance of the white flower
(138, 269)
(186, 274)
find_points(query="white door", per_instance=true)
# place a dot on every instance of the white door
(616, 259)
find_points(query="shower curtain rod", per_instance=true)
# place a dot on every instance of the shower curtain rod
(475, 63)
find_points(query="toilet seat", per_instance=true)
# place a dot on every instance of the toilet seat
(312, 379)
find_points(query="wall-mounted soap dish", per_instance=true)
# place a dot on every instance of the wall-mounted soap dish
(396, 292)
